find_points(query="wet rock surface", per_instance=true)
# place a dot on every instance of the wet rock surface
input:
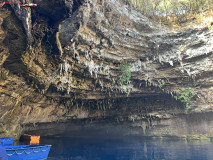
(64, 64)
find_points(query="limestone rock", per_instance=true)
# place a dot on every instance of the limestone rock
(73, 60)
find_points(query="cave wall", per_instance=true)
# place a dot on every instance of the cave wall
(65, 64)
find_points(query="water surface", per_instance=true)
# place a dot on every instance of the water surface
(90, 144)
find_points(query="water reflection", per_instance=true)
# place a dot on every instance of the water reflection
(91, 148)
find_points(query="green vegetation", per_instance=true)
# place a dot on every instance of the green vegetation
(185, 96)
(161, 83)
(153, 7)
(125, 74)
(125, 88)
(172, 13)
(124, 78)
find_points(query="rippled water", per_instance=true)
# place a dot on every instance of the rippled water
(86, 146)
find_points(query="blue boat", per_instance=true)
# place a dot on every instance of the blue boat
(27, 152)
(6, 141)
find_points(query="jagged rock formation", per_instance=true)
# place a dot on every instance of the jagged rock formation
(65, 64)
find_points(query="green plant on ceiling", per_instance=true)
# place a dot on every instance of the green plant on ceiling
(185, 96)
(125, 74)
(125, 77)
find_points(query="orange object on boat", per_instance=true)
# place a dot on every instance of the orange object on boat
(31, 139)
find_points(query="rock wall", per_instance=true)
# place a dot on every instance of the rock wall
(65, 63)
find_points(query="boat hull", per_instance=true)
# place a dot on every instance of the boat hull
(6, 141)
(27, 152)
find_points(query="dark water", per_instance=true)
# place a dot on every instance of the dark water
(91, 144)
(99, 141)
